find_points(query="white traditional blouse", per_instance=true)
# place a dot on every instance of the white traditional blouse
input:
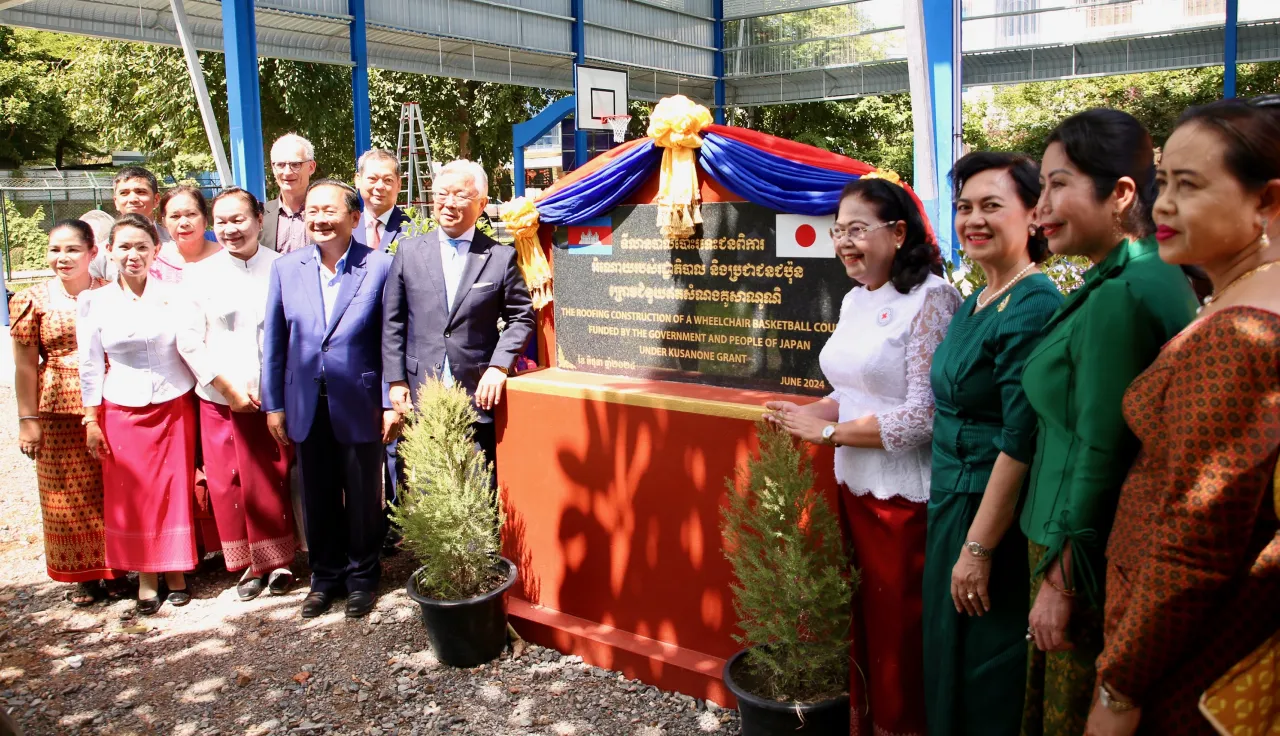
(877, 361)
(231, 296)
(128, 345)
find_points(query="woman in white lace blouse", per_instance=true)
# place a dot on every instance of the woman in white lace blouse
(880, 419)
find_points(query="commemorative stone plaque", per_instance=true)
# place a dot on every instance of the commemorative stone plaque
(747, 301)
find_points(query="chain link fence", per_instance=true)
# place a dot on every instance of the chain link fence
(32, 201)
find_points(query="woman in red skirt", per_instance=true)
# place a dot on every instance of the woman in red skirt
(139, 416)
(879, 417)
(247, 470)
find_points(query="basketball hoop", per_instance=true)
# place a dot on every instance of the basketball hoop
(618, 124)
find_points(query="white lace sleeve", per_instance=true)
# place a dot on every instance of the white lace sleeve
(910, 424)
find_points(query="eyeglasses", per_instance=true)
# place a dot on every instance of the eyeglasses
(857, 232)
(294, 166)
(446, 197)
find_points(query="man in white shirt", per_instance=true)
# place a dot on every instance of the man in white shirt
(378, 178)
(321, 367)
(247, 470)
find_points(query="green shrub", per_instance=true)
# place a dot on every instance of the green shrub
(794, 585)
(28, 244)
(448, 516)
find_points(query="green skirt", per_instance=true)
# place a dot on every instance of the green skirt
(1060, 685)
(975, 667)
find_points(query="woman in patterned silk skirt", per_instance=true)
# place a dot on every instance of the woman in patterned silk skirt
(879, 416)
(1193, 563)
(49, 427)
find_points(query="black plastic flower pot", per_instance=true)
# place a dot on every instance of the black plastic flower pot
(468, 632)
(765, 717)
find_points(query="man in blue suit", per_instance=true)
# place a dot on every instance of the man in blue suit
(382, 221)
(322, 390)
(445, 296)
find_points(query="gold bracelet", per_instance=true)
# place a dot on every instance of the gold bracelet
(1068, 592)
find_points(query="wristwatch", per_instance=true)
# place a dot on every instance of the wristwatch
(1109, 700)
(828, 435)
(977, 550)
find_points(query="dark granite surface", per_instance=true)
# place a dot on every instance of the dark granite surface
(715, 309)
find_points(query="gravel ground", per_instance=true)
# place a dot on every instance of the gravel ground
(220, 666)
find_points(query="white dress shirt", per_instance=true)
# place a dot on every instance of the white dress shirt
(138, 335)
(331, 281)
(231, 296)
(453, 258)
(878, 361)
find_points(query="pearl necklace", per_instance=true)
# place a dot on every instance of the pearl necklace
(1251, 272)
(983, 304)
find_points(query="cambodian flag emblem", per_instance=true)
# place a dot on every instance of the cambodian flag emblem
(593, 237)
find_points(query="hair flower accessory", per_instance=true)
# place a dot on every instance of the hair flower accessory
(888, 175)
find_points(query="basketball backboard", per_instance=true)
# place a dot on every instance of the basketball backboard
(599, 92)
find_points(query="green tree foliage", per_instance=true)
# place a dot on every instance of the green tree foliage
(28, 245)
(447, 513)
(463, 119)
(876, 130)
(35, 123)
(794, 587)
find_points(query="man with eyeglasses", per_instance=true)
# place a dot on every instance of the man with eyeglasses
(378, 179)
(445, 294)
(292, 164)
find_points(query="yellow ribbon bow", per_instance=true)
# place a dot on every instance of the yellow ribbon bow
(521, 218)
(888, 175)
(675, 126)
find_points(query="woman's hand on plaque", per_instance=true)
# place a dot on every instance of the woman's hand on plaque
(777, 407)
(800, 425)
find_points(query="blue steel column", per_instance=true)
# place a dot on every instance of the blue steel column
(580, 57)
(359, 77)
(718, 31)
(244, 106)
(940, 25)
(1229, 49)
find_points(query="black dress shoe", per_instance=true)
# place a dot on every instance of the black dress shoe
(148, 606)
(249, 589)
(315, 604)
(179, 597)
(359, 603)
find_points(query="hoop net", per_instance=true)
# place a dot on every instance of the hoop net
(618, 124)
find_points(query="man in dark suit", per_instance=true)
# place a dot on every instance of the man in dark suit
(322, 389)
(378, 179)
(445, 294)
(293, 162)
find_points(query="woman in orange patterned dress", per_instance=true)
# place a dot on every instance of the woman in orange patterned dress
(49, 414)
(1193, 563)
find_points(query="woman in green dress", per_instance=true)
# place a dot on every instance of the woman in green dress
(975, 573)
(1097, 175)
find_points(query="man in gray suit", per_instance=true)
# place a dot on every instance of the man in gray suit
(445, 294)
(293, 162)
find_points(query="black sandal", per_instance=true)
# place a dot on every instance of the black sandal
(85, 594)
(280, 581)
(117, 589)
(250, 589)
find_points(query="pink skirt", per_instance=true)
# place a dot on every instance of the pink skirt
(147, 485)
(248, 474)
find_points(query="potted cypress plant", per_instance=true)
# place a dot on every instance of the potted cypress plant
(792, 596)
(450, 520)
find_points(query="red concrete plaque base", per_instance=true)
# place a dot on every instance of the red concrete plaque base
(613, 489)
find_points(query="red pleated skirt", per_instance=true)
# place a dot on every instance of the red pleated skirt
(886, 681)
(147, 485)
(248, 475)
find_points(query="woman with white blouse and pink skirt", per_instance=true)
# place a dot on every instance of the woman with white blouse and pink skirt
(139, 415)
(880, 419)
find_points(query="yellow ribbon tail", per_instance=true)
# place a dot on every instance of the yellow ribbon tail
(679, 206)
(521, 218)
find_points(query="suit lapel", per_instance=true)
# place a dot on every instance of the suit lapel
(476, 257)
(349, 286)
(310, 274)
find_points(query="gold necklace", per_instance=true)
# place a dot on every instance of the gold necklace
(983, 304)
(1251, 272)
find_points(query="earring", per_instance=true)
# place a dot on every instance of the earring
(1264, 241)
